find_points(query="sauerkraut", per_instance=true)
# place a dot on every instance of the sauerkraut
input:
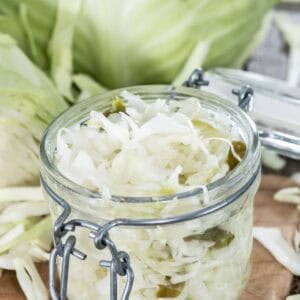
(148, 149)
(159, 149)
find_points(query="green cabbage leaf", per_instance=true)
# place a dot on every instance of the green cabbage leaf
(121, 43)
(28, 103)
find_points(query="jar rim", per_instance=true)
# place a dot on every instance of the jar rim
(236, 175)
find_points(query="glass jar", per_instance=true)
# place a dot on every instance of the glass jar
(180, 246)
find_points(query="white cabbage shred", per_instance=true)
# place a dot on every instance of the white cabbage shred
(25, 236)
(272, 239)
(272, 160)
(296, 177)
(157, 149)
(293, 297)
(289, 195)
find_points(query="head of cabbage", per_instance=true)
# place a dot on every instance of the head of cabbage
(113, 42)
(122, 43)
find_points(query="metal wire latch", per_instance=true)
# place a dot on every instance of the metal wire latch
(245, 94)
(196, 79)
(119, 265)
(245, 97)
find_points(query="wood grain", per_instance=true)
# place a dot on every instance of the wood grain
(268, 280)
(9, 288)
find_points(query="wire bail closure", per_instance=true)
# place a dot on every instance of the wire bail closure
(196, 79)
(245, 97)
(245, 93)
(118, 265)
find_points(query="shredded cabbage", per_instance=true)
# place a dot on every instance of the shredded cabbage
(272, 160)
(25, 236)
(288, 195)
(147, 149)
(293, 297)
(154, 149)
(272, 239)
(87, 85)
(30, 279)
(296, 177)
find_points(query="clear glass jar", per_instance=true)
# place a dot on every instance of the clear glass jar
(206, 256)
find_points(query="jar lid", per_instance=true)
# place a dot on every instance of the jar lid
(275, 109)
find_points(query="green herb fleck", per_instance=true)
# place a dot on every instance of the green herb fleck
(170, 290)
(117, 105)
(219, 236)
(240, 149)
(182, 179)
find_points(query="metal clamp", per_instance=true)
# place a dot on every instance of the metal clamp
(245, 94)
(245, 97)
(196, 79)
(118, 265)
